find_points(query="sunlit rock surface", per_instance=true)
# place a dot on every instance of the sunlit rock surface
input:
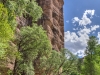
(52, 21)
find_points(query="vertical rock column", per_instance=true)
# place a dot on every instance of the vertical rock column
(52, 21)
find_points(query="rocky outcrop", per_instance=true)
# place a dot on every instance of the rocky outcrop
(52, 21)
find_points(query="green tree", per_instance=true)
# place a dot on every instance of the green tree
(9, 10)
(6, 32)
(24, 7)
(51, 65)
(79, 65)
(32, 44)
(89, 61)
(6, 35)
(58, 63)
(97, 59)
(70, 64)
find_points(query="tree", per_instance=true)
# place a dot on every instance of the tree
(58, 63)
(89, 61)
(97, 59)
(32, 44)
(52, 64)
(6, 35)
(9, 10)
(80, 65)
(24, 7)
(70, 64)
(6, 32)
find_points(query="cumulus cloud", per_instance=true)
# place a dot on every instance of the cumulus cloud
(84, 20)
(80, 53)
(75, 42)
(90, 12)
(84, 30)
(75, 19)
(93, 28)
(75, 28)
(70, 36)
(98, 36)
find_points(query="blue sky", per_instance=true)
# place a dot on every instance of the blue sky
(81, 20)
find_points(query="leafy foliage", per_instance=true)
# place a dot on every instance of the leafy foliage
(24, 7)
(6, 35)
(90, 66)
(58, 63)
(33, 50)
(51, 64)
(33, 42)
(37, 41)
(6, 32)
(9, 10)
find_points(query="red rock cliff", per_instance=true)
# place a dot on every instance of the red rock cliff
(52, 21)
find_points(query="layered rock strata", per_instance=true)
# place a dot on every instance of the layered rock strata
(52, 21)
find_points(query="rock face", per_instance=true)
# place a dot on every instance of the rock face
(52, 21)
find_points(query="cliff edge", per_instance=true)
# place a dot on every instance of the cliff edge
(52, 21)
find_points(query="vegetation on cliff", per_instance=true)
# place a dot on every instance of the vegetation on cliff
(30, 50)
(6, 32)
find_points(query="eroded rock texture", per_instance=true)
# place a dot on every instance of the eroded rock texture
(52, 21)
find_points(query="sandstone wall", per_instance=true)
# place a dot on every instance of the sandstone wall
(52, 21)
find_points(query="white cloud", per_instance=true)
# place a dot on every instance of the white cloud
(70, 36)
(93, 28)
(75, 28)
(84, 30)
(75, 19)
(84, 20)
(67, 21)
(83, 37)
(75, 42)
(90, 12)
(80, 53)
(98, 36)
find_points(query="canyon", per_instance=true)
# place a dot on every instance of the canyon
(52, 21)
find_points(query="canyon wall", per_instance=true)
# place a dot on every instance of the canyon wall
(52, 21)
